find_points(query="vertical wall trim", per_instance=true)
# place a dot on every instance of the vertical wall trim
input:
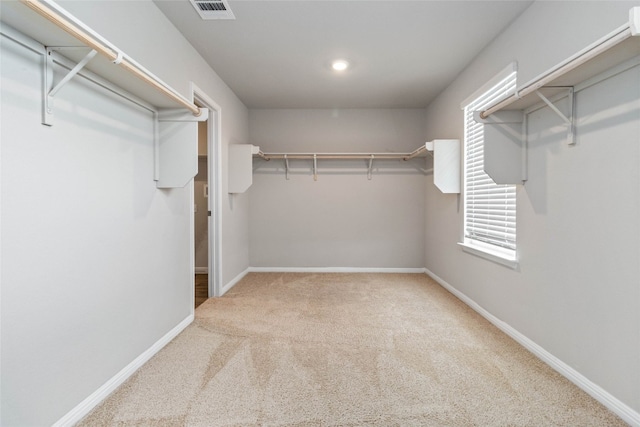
(80, 411)
(601, 395)
(192, 248)
(214, 180)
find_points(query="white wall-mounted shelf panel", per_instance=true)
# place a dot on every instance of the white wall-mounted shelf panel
(241, 167)
(446, 164)
(504, 145)
(177, 147)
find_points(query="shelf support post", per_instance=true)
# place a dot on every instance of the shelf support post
(572, 114)
(315, 167)
(286, 167)
(370, 167)
(47, 85)
(570, 121)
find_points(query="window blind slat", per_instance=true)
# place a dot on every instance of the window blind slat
(489, 209)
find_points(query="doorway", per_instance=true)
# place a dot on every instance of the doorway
(206, 193)
(200, 217)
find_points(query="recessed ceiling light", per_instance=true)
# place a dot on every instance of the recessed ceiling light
(340, 65)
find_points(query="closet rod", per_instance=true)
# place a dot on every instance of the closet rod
(328, 156)
(590, 52)
(344, 156)
(67, 22)
(338, 156)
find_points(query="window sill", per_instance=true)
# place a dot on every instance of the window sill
(490, 255)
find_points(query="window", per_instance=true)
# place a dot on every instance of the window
(489, 209)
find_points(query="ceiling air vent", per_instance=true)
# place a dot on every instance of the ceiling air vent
(213, 9)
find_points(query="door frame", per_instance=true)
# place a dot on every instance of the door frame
(214, 181)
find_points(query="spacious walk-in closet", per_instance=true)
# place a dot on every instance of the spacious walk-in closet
(328, 213)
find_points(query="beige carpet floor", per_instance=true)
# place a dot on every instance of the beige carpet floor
(345, 350)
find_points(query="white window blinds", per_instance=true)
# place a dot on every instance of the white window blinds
(489, 209)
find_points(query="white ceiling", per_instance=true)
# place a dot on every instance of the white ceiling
(277, 54)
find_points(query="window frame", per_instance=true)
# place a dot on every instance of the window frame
(488, 95)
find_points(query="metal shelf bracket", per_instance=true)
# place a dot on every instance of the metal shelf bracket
(315, 167)
(49, 90)
(286, 167)
(570, 119)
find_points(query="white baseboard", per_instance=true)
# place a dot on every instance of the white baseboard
(240, 276)
(601, 395)
(202, 270)
(233, 281)
(80, 411)
(334, 270)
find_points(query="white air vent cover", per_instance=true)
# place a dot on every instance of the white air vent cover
(213, 9)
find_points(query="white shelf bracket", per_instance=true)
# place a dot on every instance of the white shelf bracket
(570, 120)
(634, 21)
(49, 90)
(286, 167)
(370, 167)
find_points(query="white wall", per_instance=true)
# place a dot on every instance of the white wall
(342, 219)
(95, 259)
(576, 290)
